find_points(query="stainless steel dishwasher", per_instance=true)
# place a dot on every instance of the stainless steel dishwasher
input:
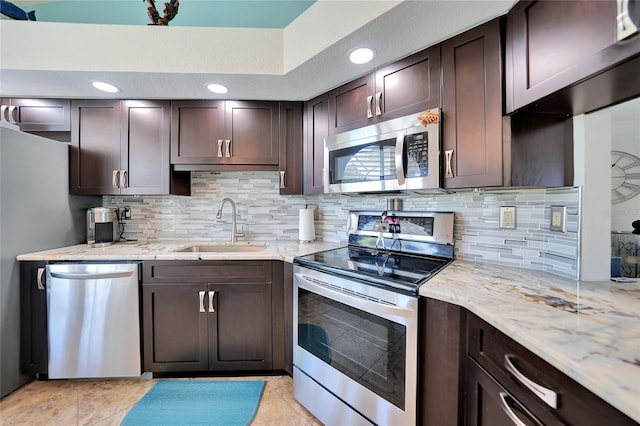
(93, 320)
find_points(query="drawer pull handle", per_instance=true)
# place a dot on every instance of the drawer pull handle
(219, 148)
(509, 411)
(547, 395)
(448, 171)
(201, 296)
(369, 111)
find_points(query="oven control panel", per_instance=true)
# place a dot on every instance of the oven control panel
(418, 226)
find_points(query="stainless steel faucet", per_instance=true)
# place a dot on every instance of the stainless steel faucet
(234, 232)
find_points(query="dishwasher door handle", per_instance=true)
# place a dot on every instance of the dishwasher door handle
(91, 276)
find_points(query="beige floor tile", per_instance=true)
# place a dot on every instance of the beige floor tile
(106, 402)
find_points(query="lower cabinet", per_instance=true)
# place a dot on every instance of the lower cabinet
(506, 383)
(34, 352)
(211, 315)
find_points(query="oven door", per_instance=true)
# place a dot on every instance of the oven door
(359, 342)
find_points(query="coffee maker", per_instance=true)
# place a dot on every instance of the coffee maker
(103, 228)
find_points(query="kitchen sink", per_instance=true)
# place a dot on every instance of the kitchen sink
(223, 248)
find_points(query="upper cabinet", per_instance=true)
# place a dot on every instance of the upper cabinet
(230, 135)
(472, 108)
(555, 47)
(290, 143)
(316, 128)
(37, 115)
(404, 87)
(119, 147)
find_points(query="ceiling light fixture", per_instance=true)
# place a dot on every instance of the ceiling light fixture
(361, 55)
(217, 88)
(105, 87)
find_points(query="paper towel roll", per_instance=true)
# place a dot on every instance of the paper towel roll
(307, 230)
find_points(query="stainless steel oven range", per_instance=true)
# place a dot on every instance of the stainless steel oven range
(355, 313)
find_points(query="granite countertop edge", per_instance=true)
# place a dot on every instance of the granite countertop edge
(588, 330)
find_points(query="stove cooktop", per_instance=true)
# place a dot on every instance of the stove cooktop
(397, 270)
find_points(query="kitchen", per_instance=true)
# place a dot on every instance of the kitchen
(267, 215)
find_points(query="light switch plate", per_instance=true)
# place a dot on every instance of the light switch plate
(508, 217)
(558, 219)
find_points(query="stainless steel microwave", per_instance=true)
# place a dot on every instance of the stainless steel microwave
(395, 155)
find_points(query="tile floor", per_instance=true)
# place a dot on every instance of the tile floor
(106, 402)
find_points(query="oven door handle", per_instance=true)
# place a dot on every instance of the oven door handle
(400, 158)
(353, 301)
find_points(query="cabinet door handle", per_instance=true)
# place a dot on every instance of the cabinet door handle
(201, 295)
(212, 295)
(548, 396)
(378, 103)
(124, 179)
(506, 406)
(219, 148)
(369, 112)
(227, 148)
(11, 113)
(3, 113)
(448, 171)
(115, 179)
(39, 279)
(282, 181)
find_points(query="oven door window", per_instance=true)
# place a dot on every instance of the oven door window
(368, 349)
(364, 163)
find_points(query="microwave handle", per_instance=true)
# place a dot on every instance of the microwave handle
(400, 157)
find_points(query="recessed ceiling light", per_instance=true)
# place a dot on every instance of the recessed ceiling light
(217, 88)
(105, 87)
(361, 55)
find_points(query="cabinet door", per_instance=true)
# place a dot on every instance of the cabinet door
(175, 327)
(240, 328)
(197, 132)
(472, 107)
(39, 115)
(552, 45)
(488, 404)
(440, 346)
(290, 148)
(351, 105)
(34, 352)
(95, 146)
(252, 128)
(316, 128)
(145, 146)
(408, 86)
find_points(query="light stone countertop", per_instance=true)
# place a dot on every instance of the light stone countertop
(284, 250)
(588, 330)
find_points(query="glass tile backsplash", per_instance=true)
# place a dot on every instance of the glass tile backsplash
(265, 215)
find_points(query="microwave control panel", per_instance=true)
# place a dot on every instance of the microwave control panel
(417, 148)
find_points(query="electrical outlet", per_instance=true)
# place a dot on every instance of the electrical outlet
(127, 213)
(508, 217)
(558, 219)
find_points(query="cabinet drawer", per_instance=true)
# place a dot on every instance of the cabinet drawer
(574, 403)
(214, 271)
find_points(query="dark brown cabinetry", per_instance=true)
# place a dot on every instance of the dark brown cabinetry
(498, 369)
(38, 115)
(556, 45)
(441, 337)
(316, 128)
(472, 108)
(404, 87)
(231, 135)
(290, 147)
(33, 318)
(211, 316)
(120, 147)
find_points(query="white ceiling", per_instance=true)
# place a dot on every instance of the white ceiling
(305, 59)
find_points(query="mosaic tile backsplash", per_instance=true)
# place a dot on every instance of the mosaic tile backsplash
(265, 215)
